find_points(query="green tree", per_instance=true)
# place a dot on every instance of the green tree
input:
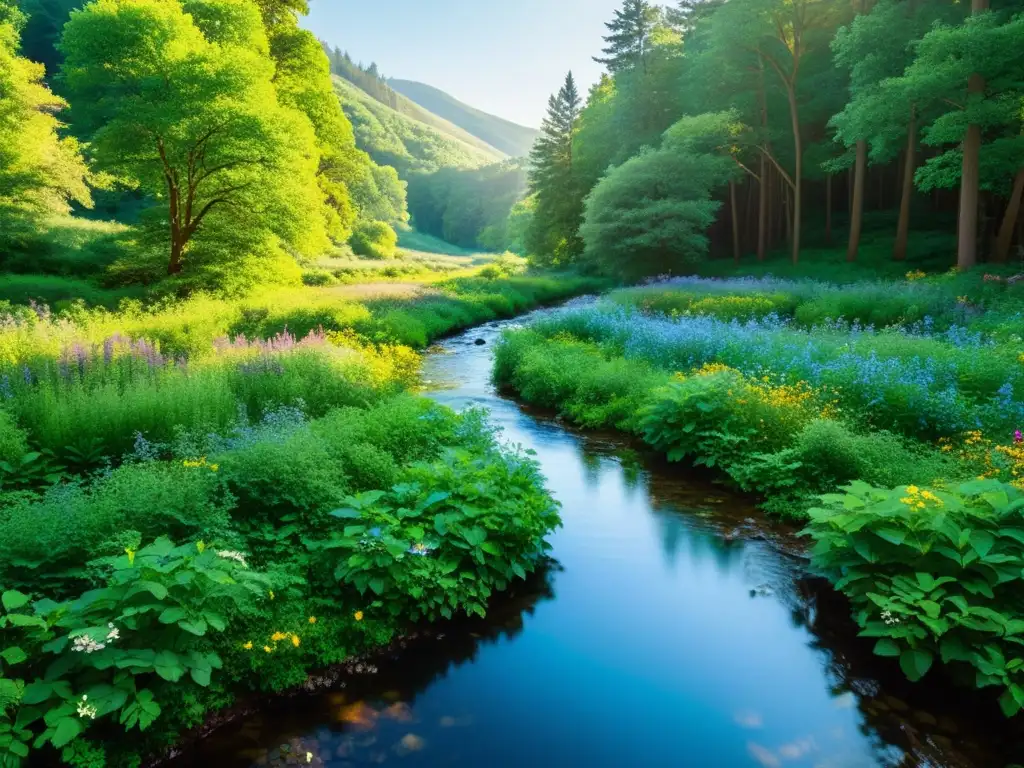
(650, 215)
(629, 36)
(552, 179)
(40, 171)
(194, 124)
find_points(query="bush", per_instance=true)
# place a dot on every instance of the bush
(932, 574)
(374, 240)
(13, 440)
(441, 543)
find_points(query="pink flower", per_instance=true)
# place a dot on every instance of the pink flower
(1018, 436)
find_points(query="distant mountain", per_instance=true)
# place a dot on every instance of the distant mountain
(412, 146)
(510, 138)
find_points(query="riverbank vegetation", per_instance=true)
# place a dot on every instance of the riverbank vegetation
(212, 498)
(885, 415)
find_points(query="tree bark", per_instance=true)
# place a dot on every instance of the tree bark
(735, 223)
(1009, 223)
(828, 209)
(899, 252)
(798, 171)
(174, 266)
(967, 236)
(860, 168)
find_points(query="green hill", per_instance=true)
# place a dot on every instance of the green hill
(511, 138)
(409, 145)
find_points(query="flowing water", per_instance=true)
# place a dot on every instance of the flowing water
(671, 631)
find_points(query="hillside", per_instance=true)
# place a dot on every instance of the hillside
(372, 84)
(511, 138)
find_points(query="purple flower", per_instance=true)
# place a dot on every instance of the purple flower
(1018, 436)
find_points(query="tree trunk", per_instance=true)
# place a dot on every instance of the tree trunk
(735, 223)
(860, 169)
(787, 208)
(798, 182)
(1006, 229)
(967, 237)
(828, 209)
(748, 218)
(174, 266)
(899, 252)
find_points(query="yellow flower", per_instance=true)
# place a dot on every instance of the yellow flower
(201, 546)
(131, 555)
(312, 619)
(271, 593)
(359, 615)
(214, 467)
(248, 646)
(912, 489)
(278, 637)
(268, 649)
(295, 640)
(920, 505)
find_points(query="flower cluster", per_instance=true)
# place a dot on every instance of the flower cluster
(238, 557)
(916, 274)
(87, 710)
(920, 499)
(200, 463)
(86, 644)
(889, 618)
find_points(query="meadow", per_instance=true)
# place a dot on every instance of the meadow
(208, 497)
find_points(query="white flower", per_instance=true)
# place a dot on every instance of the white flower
(309, 757)
(114, 633)
(84, 643)
(87, 710)
(236, 556)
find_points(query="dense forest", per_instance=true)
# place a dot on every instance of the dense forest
(742, 127)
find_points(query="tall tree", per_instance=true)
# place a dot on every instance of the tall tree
(970, 175)
(553, 181)
(40, 172)
(194, 124)
(629, 34)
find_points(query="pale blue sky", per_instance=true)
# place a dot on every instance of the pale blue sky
(501, 56)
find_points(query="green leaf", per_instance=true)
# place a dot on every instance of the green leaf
(13, 655)
(982, 542)
(434, 498)
(13, 600)
(475, 536)
(197, 628)
(66, 731)
(347, 513)
(377, 585)
(915, 663)
(215, 620)
(168, 666)
(156, 589)
(887, 647)
(892, 535)
(172, 615)
(200, 676)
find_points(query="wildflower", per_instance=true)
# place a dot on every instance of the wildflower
(85, 644)
(295, 640)
(131, 555)
(358, 615)
(114, 632)
(312, 619)
(248, 646)
(85, 709)
(375, 532)
(214, 467)
(420, 549)
(1018, 436)
(309, 757)
(889, 618)
(278, 637)
(271, 593)
(268, 649)
(238, 557)
(913, 490)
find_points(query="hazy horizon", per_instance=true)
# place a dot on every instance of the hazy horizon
(498, 58)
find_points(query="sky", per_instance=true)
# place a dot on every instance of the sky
(502, 56)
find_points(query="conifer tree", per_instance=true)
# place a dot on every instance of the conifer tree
(552, 180)
(628, 41)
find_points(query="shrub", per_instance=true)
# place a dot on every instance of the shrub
(932, 574)
(374, 240)
(442, 542)
(13, 440)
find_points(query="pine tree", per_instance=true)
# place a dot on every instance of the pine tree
(552, 180)
(630, 36)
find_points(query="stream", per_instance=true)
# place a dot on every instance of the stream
(676, 628)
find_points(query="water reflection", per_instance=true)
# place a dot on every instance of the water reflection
(675, 631)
